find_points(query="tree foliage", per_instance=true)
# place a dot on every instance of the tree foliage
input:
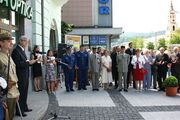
(175, 38)
(65, 28)
(150, 46)
(137, 42)
(162, 43)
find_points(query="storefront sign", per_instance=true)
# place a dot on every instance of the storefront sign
(103, 40)
(18, 6)
(103, 10)
(94, 40)
(85, 40)
(73, 40)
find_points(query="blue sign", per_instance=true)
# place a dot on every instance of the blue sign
(103, 10)
(103, 1)
(94, 40)
(103, 40)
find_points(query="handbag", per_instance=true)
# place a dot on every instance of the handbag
(144, 71)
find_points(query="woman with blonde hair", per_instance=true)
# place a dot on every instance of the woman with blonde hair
(106, 69)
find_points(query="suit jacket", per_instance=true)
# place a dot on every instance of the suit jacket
(123, 62)
(22, 66)
(94, 63)
(131, 53)
(114, 63)
(163, 58)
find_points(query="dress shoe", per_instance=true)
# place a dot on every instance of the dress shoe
(67, 90)
(120, 90)
(39, 90)
(125, 90)
(84, 88)
(72, 90)
(97, 89)
(28, 110)
(23, 114)
(93, 89)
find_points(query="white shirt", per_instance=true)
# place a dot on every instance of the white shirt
(22, 48)
(140, 59)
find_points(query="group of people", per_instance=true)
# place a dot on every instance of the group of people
(144, 69)
(14, 68)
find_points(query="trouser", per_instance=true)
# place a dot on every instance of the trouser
(161, 77)
(23, 89)
(147, 79)
(129, 76)
(11, 103)
(1, 112)
(69, 76)
(115, 76)
(82, 77)
(154, 76)
(123, 77)
(95, 80)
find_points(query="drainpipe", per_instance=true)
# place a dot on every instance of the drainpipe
(42, 20)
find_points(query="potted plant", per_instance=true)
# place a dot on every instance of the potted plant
(171, 85)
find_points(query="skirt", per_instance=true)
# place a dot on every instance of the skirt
(138, 75)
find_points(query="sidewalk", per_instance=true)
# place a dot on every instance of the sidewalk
(38, 102)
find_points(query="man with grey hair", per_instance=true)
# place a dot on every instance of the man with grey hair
(22, 69)
(161, 61)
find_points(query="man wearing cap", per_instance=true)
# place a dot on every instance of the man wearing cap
(22, 68)
(94, 69)
(69, 60)
(5, 63)
(82, 66)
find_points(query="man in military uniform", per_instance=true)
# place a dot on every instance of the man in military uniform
(94, 69)
(82, 66)
(69, 67)
(12, 93)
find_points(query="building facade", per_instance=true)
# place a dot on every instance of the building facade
(92, 20)
(38, 20)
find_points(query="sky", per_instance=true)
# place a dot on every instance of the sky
(143, 15)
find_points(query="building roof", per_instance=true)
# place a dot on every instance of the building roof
(96, 31)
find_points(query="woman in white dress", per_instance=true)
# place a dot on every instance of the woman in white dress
(106, 69)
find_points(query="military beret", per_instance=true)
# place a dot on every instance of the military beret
(5, 36)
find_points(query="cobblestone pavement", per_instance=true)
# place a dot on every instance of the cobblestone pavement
(123, 110)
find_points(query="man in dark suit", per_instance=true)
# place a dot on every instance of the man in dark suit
(114, 66)
(161, 61)
(22, 70)
(130, 51)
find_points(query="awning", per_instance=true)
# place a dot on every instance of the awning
(96, 31)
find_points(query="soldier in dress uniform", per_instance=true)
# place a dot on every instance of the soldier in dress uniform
(69, 60)
(94, 68)
(5, 63)
(82, 66)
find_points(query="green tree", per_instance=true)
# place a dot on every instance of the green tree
(137, 42)
(65, 28)
(162, 43)
(175, 38)
(150, 46)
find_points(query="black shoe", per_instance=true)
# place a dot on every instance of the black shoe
(28, 110)
(72, 90)
(97, 89)
(120, 90)
(110, 84)
(67, 90)
(115, 87)
(125, 90)
(79, 88)
(23, 114)
(93, 89)
(84, 88)
(39, 90)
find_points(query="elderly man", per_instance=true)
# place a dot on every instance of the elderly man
(22, 68)
(8, 72)
(161, 61)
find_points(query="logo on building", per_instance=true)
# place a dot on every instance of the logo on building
(18, 6)
(103, 9)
